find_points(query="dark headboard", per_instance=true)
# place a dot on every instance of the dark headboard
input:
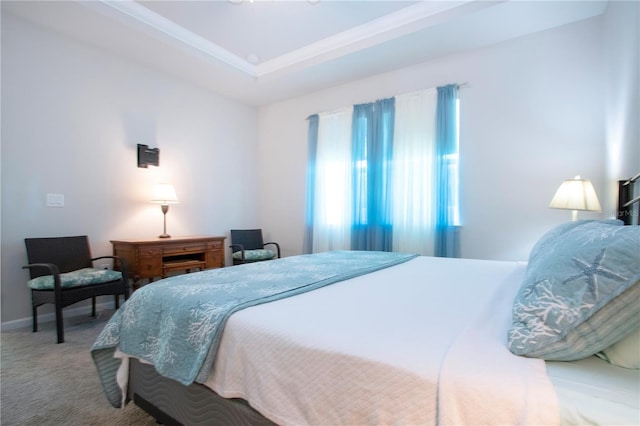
(629, 200)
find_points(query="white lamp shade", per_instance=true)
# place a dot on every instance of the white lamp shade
(576, 194)
(164, 193)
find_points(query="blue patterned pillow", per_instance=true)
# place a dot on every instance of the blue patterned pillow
(77, 278)
(548, 240)
(581, 293)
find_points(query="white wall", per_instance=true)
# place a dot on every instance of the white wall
(532, 116)
(622, 65)
(71, 118)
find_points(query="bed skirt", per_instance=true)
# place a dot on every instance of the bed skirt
(172, 403)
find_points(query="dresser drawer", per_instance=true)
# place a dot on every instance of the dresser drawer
(184, 249)
(149, 252)
(214, 245)
(149, 267)
(215, 259)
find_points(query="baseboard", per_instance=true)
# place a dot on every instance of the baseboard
(51, 317)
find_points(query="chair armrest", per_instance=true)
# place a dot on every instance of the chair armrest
(240, 249)
(122, 261)
(54, 271)
(105, 257)
(275, 244)
(52, 267)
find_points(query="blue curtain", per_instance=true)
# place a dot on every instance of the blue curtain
(372, 152)
(311, 179)
(349, 202)
(447, 238)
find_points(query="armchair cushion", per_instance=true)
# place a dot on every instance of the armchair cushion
(85, 276)
(253, 255)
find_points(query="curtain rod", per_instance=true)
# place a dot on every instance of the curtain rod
(462, 85)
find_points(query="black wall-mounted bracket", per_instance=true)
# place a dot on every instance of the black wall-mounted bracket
(148, 156)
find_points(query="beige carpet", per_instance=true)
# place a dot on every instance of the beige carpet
(44, 383)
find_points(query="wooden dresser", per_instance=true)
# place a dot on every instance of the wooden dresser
(157, 257)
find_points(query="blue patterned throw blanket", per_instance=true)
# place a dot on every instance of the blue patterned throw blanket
(176, 323)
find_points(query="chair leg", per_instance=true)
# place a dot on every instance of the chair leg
(59, 324)
(35, 318)
(93, 306)
(117, 297)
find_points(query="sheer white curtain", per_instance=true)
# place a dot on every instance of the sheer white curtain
(413, 172)
(332, 204)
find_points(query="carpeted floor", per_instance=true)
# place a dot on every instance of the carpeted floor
(44, 383)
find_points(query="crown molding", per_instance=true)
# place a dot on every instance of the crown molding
(147, 17)
(409, 19)
(388, 27)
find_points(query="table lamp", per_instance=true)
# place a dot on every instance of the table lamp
(576, 194)
(164, 194)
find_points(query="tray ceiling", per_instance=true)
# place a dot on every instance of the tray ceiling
(263, 51)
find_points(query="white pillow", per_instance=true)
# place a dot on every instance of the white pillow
(625, 353)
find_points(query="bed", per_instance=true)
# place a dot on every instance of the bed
(388, 338)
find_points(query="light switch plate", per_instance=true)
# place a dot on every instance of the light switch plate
(55, 200)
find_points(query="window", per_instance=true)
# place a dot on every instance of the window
(386, 175)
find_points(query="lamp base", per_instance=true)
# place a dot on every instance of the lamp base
(165, 209)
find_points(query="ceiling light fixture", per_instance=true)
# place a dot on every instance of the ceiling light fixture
(253, 58)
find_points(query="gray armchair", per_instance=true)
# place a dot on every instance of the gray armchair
(248, 246)
(62, 273)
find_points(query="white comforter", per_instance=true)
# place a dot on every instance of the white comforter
(423, 342)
